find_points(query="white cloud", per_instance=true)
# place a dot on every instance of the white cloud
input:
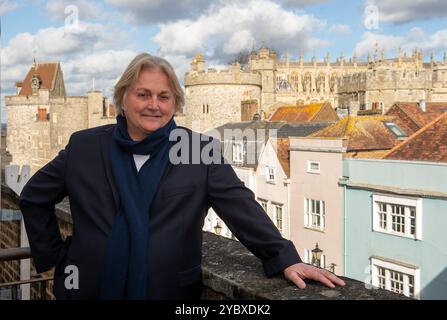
(403, 11)
(415, 38)
(340, 28)
(105, 67)
(92, 50)
(180, 63)
(6, 6)
(61, 9)
(63, 41)
(302, 3)
(229, 28)
(144, 12)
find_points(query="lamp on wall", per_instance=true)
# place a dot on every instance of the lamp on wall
(316, 259)
(316, 255)
(332, 267)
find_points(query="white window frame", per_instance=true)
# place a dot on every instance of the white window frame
(377, 263)
(406, 202)
(275, 216)
(262, 202)
(308, 215)
(238, 150)
(267, 174)
(307, 255)
(309, 166)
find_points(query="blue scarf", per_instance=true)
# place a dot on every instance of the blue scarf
(126, 261)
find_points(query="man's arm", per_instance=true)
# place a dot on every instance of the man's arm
(38, 198)
(237, 207)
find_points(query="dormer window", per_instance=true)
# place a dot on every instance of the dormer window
(400, 134)
(270, 174)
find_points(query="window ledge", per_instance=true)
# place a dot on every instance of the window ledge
(396, 234)
(315, 229)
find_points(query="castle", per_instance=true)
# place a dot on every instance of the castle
(386, 81)
(41, 117)
(215, 97)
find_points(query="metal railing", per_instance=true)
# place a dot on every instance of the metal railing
(14, 254)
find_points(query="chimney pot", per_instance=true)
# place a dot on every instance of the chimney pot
(422, 105)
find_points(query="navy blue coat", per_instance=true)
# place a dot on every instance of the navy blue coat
(82, 171)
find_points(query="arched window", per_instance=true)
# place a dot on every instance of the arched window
(295, 81)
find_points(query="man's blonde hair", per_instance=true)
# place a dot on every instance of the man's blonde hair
(132, 72)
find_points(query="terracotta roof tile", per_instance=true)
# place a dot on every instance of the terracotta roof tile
(46, 72)
(304, 113)
(427, 144)
(282, 151)
(364, 133)
(411, 118)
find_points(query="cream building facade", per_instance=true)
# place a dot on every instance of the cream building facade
(317, 203)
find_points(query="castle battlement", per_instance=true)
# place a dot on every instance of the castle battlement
(28, 100)
(384, 79)
(213, 77)
(320, 64)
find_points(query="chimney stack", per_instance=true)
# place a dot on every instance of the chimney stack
(422, 104)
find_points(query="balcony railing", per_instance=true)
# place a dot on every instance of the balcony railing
(15, 254)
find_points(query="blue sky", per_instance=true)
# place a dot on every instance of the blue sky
(105, 35)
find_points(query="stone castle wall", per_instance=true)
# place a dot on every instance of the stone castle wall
(344, 83)
(36, 141)
(210, 106)
(387, 82)
(278, 82)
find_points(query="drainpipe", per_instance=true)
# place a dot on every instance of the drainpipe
(344, 230)
(343, 182)
(287, 183)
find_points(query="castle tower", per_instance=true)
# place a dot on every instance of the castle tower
(213, 98)
(95, 103)
(265, 63)
(41, 117)
(198, 63)
(439, 90)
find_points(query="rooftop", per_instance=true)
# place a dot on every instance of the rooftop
(305, 113)
(364, 133)
(45, 72)
(427, 144)
(283, 131)
(282, 152)
(410, 117)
